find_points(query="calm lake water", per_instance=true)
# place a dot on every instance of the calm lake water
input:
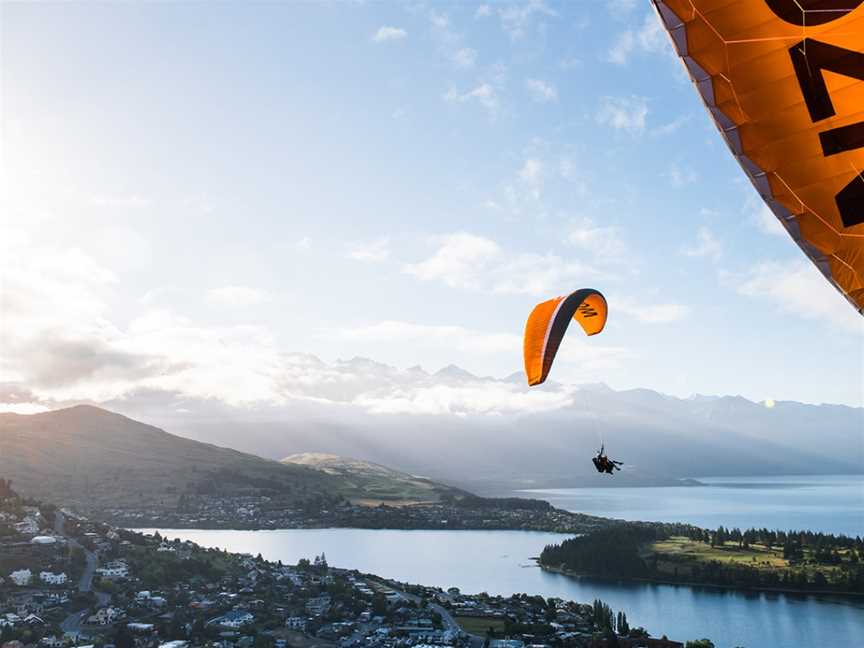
(832, 504)
(499, 562)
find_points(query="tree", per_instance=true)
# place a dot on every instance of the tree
(379, 605)
(623, 626)
(123, 638)
(699, 643)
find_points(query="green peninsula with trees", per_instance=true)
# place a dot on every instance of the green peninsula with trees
(796, 561)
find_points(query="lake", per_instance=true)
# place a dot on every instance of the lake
(831, 504)
(499, 562)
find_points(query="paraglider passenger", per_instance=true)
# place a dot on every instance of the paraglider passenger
(604, 464)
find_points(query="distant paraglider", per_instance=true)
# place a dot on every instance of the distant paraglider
(784, 82)
(604, 464)
(548, 323)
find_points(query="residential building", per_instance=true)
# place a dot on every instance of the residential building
(50, 578)
(21, 577)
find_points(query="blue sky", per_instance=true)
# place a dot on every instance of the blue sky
(194, 191)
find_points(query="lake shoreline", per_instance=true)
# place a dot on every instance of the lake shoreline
(856, 596)
(500, 564)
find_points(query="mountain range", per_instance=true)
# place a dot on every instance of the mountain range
(492, 435)
(487, 435)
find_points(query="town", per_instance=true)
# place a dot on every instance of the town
(68, 581)
(264, 512)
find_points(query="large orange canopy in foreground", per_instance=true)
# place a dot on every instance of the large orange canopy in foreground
(784, 82)
(548, 323)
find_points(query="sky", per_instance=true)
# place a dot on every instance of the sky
(224, 204)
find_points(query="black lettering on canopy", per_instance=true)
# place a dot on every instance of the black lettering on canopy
(845, 138)
(809, 58)
(850, 200)
(812, 12)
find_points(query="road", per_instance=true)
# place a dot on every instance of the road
(73, 622)
(446, 618)
(85, 584)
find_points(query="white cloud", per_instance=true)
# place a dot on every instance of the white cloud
(452, 338)
(387, 34)
(538, 274)
(623, 113)
(23, 408)
(760, 216)
(483, 11)
(622, 48)
(132, 201)
(484, 94)
(473, 262)
(371, 251)
(451, 44)
(161, 356)
(680, 176)
(304, 243)
(541, 91)
(604, 243)
(651, 313)
(236, 296)
(480, 398)
(670, 127)
(650, 37)
(439, 21)
(531, 175)
(458, 262)
(60, 342)
(798, 288)
(617, 7)
(464, 57)
(48, 294)
(518, 18)
(707, 245)
(567, 168)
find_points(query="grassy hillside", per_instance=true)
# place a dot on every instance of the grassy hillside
(371, 483)
(91, 458)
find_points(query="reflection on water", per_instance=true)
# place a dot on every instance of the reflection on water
(498, 562)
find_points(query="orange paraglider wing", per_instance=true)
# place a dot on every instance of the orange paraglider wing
(784, 82)
(548, 323)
